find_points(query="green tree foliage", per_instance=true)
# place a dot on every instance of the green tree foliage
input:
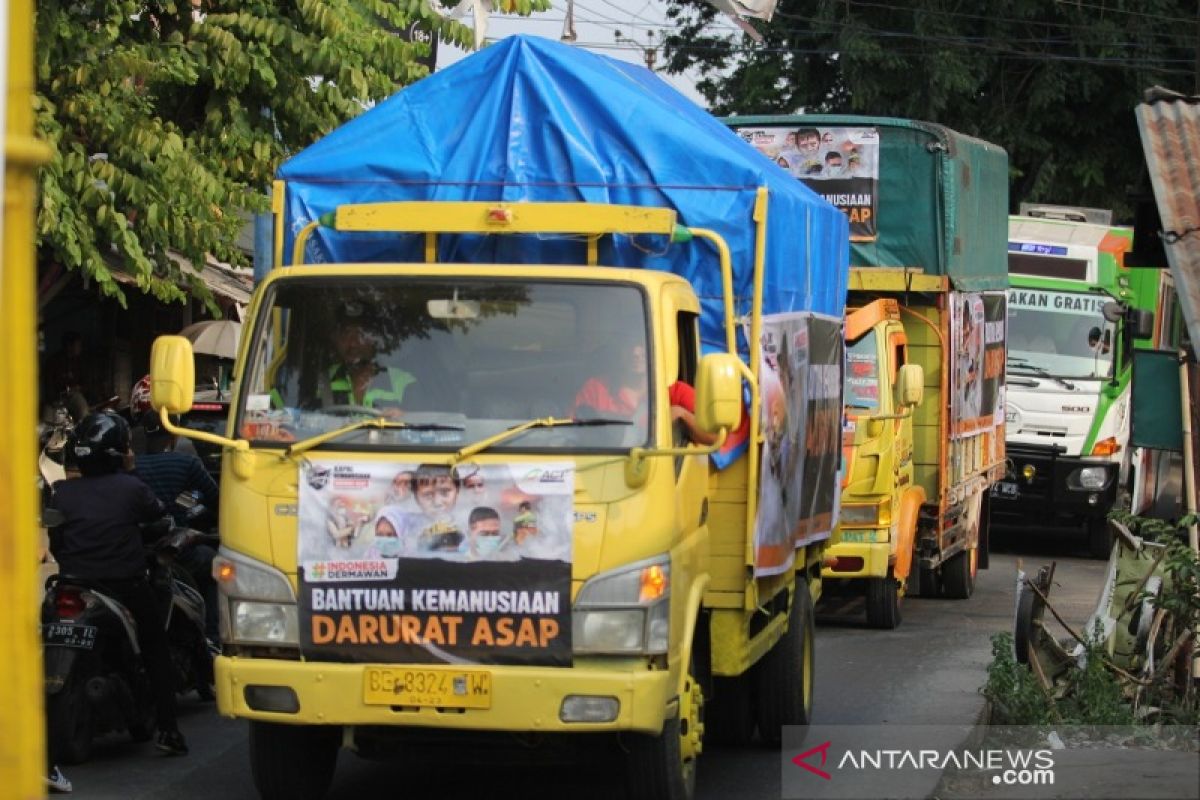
(168, 119)
(1052, 81)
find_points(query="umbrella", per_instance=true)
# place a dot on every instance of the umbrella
(214, 337)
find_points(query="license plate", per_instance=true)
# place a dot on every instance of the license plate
(64, 635)
(435, 687)
(1005, 489)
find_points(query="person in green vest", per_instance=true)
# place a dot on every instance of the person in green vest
(357, 375)
(357, 378)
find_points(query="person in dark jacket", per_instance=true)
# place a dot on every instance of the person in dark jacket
(100, 540)
(170, 474)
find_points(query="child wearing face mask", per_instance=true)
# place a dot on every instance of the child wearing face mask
(391, 533)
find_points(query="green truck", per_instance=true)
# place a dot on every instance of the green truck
(1076, 313)
(923, 437)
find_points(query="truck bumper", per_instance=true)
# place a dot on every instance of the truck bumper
(875, 557)
(523, 698)
(1053, 489)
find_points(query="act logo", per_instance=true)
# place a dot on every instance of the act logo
(802, 760)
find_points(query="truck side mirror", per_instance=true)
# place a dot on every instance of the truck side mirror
(911, 385)
(172, 374)
(718, 392)
(1141, 322)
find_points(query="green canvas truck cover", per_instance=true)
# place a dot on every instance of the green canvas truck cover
(942, 197)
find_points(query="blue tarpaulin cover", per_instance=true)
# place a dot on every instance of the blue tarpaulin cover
(530, 119)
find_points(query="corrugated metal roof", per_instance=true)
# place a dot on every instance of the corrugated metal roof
(1170, 129)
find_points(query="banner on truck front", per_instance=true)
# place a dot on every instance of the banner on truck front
(800, 382)
(977, 335)
(421, 563)
(840, 164)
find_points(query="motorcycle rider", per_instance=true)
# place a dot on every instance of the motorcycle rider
(169, 473)
(100, 540)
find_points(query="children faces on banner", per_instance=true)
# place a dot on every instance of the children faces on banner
(393, 535)
(486, 540)
(970, 358)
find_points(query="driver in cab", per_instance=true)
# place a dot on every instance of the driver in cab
(356, 378)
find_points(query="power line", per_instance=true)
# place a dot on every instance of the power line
(1154, 66)
(1081, 31)
(1109, 10)
(938, 12)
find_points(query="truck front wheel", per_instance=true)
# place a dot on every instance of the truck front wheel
(293, 762)
(1100, 538)
(729, 713)
(883, 602)
(785, 674)
(663, 767)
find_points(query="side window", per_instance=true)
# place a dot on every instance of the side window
(862, 375)
(689, 338)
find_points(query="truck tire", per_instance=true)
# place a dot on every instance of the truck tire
(784, 676)
(883, 602)
(663, 766)
(729, 713)
(985, 530)
(293, 762)
(1023, 625)
(1100, 538)
(958, 575)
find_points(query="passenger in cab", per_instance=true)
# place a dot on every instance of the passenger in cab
(625, 394)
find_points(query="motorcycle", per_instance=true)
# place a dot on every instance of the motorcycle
(94, 676)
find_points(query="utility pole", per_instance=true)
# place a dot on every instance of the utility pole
(649, 52)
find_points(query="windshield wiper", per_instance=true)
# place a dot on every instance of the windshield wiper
(375, 422)
(544, 422)
(1023, 363)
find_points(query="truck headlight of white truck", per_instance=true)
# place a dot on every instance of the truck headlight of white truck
(257, 604)
(625, 611)
(1088, 479)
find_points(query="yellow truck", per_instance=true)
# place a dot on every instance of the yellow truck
(925, 346)
(462, 486)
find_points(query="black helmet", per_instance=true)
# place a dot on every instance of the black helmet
(101, 442)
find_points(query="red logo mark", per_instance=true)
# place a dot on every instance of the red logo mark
(823, 749)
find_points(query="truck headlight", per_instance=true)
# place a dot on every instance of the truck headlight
(257, 604)
(1088, 479)
(874, 514)
(625, 611)
(263, 623)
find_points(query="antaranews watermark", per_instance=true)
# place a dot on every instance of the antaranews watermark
(918, 761)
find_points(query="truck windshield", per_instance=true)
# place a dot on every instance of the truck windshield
(862, 374)
(1061, 334)
(456, 360)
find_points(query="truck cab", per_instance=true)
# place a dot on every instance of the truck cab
(881, 392)
(1075, 313)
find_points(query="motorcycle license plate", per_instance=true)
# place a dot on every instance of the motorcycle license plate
(434, 687)
(1005, 489)
(65, 635)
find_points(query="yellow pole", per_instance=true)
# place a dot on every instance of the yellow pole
(278, 198)
(22, 738)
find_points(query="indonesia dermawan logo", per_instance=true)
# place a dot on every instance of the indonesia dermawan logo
(366, 569)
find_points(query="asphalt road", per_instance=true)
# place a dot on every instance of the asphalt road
(928, 671)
